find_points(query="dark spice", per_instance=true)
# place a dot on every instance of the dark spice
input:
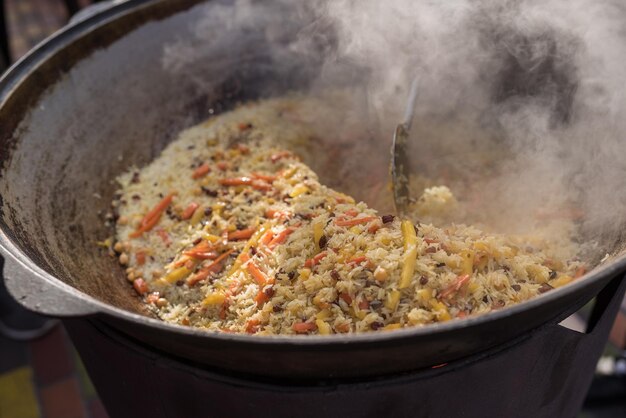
(334, 274)
(375, 304)
(323, 241)
(269, 292)
(431, 250)
(291, 275)
(135, 178)
(208, 211)
(277, 308)
(545, 288)
(552, 274)
(197, 241)
(376, 325)
(179, 283)
(253, 250)
(136, 197)
(440, 264)
(170, 214)
(516, 287)
(209, 192)
(417, 231)
(387, 218)
(423, 280)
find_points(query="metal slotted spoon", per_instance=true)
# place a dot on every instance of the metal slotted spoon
(400, 162)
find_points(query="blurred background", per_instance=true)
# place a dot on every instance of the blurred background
(40, 373)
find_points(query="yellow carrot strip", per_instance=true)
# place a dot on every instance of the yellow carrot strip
(197, 216)
(318, 231)
(467, 263)
(392, 300)
(176, 275)
(410, 253)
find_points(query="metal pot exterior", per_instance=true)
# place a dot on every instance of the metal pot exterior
(110, 92)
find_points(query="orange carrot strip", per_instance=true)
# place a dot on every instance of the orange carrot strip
(277, 214)
(266, 238)
(208, 255)
(364, 304)
(345, 297)
(357, 260)
(140, 286)
(201, 171)
(236, 181)
(280, 238)
(224, 308)
(152, 218)
(351, 213)
(141, 257)
(188, 212)
(223, 165)
(279, 156)
(244, 257)
(454, 287)
(202, 246)
(304, 327)
(252, 326)
(241, 234)
(256, 272)
(266, 177)
(315, 260)
(262, 297)
(261, 185)
(580, 271)
(164, 236)
(372, 229)
(214, 267)
(353, 222)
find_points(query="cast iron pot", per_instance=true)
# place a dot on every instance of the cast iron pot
(109, 92)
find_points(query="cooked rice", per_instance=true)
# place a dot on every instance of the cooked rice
(304, 258)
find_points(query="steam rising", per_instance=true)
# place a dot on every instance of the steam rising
(536, 86)
(521, 107)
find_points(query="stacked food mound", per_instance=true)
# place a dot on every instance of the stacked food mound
(229, 231)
